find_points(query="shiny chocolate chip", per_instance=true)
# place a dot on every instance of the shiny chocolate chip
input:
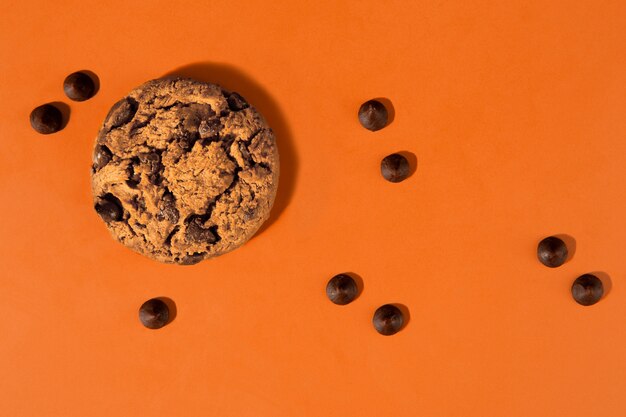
(101, 156)
(587, 289)
(79, 86)
(46, 119)
(373, 115)
(109, 208)
(342, 289)
(395, 168)
(388, 320)
(552, 252)
(121, 113)
(154, 313)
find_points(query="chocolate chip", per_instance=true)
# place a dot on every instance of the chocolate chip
(196, 232)
(341, 289)
(373, 115)
(79, 86)
(388, 320)
(101, 156)
(46, 119)
(552, 252)
(167, 209)
(154, 314)
(236, 102)
(192, 259)
(209, 129)
(121, 113)
(587, 289)
(109, 208)
(395, 168)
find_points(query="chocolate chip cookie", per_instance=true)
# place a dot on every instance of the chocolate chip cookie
(184, 171)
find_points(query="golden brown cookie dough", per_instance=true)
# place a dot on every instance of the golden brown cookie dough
(184, 171)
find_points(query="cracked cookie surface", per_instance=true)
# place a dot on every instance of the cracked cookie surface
(184, 171)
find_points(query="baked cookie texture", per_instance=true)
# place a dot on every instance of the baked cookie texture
(184, 171)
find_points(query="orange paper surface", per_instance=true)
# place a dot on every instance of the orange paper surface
(516, 114)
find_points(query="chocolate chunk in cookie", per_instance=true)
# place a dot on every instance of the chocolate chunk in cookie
(236, 102)
(109, 208)
(198, 233)
(101, 156)
(121, 113)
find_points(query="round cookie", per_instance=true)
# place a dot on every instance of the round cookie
(184, 170)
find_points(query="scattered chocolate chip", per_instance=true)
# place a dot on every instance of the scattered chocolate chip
(121, 113)
(197, 233)
(154, 314)
(395, 168)
(373, 115)
(109, 208)
(167, 209)
(79, 86)
(236, 102)
(341, 289)
(552, 252)
(587, 289)
(192, 259)
(101, 156)
(46, 119)
(388, 320)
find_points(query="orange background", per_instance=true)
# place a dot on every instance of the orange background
(516, 112)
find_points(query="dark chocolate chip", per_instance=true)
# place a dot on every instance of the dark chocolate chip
(46, 119)
(167, 209)
(395, 168)
(552, 252)
(373, 115)
(154, 314)
(587, 289)
(342, 289)
(236, 102)
(388, 320)
(196, 232)
(134, 178)
(192, 259)
(79, 86)
(101, 156)
(121, 113)
(209, 128)
(109, 208)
